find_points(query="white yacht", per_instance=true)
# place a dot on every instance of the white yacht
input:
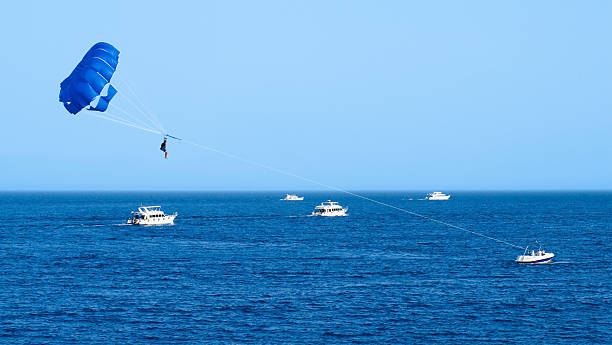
(437, 196)
(293, 197)
(330, 209)
(535, 257)
(151, 215)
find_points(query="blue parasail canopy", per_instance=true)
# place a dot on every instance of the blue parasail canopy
(88, 86)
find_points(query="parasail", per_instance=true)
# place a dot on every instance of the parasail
(88, 86)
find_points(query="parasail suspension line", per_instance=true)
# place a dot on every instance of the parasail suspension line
(157, 125)
(125, 123)
(134, 118)
(136, 103)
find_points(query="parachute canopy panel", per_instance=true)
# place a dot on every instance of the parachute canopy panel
(88, 86)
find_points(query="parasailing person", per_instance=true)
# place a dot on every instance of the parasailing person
(163, 148)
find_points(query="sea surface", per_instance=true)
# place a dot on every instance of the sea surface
(247, 268)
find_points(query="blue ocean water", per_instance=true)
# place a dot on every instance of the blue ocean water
(249, 268)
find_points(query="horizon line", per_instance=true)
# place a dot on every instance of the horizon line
(296, 190)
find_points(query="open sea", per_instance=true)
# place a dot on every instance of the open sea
(248, 268)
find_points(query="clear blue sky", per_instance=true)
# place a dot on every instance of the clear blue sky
(443, 95)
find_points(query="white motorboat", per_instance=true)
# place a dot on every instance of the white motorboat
(151, 215)
(535, 257)
(330, 209)
(437, 196)
(293, 197)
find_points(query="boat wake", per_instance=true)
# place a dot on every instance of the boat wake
(83, 225)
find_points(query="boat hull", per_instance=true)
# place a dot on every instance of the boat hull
(535, 259)
(440, 198)
(331, 214)
(167, 220)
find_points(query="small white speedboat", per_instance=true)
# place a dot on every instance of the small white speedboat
(151, 215)
(535, 257)
(292, 197)
(437, 196)
(330, 209)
